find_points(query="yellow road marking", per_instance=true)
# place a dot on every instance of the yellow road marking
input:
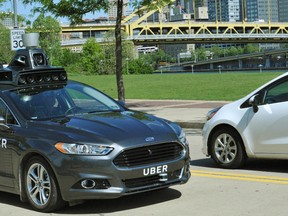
(242, 177)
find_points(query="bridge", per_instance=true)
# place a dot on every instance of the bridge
(191, 32)
(141, 32)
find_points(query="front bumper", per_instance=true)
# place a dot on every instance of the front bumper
(113, 182)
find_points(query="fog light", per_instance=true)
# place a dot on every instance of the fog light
(92, 184)
(88, 183)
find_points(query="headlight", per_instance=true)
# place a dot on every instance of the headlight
(212, 112)
(83, 149)
(182, 138)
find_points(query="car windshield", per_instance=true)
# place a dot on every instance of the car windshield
(40, 103)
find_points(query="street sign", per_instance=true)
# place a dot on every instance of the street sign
(16, 39)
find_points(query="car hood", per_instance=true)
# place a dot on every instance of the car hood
(107, 127)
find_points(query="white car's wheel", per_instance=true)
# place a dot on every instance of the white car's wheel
(41, 187)
(227, 148)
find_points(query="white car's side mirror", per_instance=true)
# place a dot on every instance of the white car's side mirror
(254, 101)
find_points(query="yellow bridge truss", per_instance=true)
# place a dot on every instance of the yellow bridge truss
(143, 32)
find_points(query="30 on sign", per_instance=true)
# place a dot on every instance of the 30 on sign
(16, 39)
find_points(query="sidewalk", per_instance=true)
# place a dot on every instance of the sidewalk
(187, 113)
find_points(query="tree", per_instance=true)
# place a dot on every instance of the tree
(217, 51)
(70, 60)
(201, 54)
(5, 52)
(109, 60)
(119, 75)
(92, 55)
(232, 51)
(75, 9)
(140, 66)
(1, 2)
(250, 48)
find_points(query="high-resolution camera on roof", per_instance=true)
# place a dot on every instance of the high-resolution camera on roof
(31, 66)
(31, 57)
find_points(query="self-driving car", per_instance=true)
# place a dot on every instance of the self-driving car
(252, 127)
(64, 142)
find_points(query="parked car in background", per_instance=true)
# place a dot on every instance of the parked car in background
(252, 127)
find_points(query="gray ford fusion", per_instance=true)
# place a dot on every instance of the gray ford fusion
(64, 142)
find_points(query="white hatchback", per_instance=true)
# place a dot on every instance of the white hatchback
(255, 126)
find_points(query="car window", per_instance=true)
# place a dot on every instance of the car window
(278, 93)
(39, 103)
(89, 99)
(6, 114)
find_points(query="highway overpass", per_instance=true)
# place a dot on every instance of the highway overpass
(273, 59)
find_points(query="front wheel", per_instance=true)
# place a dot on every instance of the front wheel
(41, 187)
(227, 148)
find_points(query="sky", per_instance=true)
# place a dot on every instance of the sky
(22, 10)
(25, 11)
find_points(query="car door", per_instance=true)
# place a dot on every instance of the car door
(7, 147)
(267, 129)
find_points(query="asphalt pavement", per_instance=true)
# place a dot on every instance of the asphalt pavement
(187, 113)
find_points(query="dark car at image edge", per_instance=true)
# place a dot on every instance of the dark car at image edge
(64, 142)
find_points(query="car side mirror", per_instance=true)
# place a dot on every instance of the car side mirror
(254, 102)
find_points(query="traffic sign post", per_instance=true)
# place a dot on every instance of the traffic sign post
(16, 39)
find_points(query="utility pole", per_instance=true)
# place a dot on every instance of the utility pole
(15, 13)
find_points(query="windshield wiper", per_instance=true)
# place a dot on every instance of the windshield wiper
(101, 111)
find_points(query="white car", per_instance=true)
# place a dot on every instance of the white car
(255, 126)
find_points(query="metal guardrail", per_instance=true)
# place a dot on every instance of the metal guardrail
(77, 42)
(208, 36)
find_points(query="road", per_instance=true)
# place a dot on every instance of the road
(257, 189)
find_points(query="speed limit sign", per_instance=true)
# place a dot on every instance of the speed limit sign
(16, 39)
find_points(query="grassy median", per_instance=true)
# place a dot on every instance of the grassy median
(225, 86)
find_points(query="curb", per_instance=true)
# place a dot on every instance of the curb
(191, 125)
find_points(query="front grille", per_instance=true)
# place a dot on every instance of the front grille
(149, 155)
(150, 181)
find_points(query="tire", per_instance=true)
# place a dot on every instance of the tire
(41, 187)
(227, 149)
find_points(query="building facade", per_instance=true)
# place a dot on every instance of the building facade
(283, 10)
(7, 22)
(263, 10)
(201, 9)
(112, 11)
(224, 10)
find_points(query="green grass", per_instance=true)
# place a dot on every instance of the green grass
(225, 86)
